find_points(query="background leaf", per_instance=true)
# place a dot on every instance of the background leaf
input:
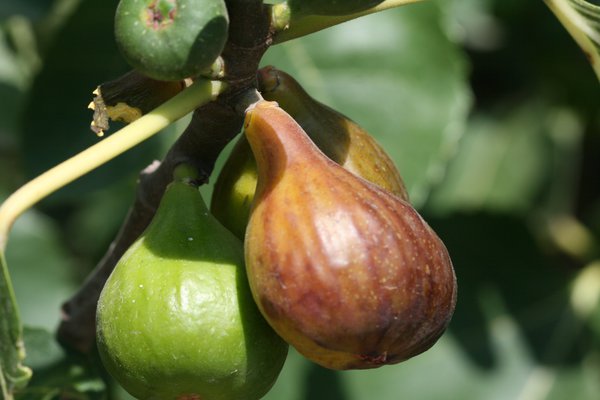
(59, 375)
(488, 107)
(512, 160)
(40, 269)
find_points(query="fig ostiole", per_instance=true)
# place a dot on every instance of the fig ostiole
(340, 138)
(176, 319)
(171, 40)
(346, 272)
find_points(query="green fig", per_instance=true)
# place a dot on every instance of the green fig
(340, 138)
(346, 272)
(234, 189)
(176, 319)
(331, 7)
(171, 40)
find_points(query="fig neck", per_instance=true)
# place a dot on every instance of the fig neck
(278, 142)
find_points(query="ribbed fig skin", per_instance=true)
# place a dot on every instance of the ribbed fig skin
(346, 272)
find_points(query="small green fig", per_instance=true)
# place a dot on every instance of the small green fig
(340, 138)
(344, 271)
(171, 40)
(176, 319)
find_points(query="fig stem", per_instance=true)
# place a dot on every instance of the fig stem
(302, 25)
(200, 92)
(578, 26)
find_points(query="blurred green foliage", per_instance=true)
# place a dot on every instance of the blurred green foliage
(489, 109)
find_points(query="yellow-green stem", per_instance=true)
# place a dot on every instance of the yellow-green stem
(199, 93)
(302, 25)
(578, 22)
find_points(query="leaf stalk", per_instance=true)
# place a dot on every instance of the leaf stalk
(199, 93)
(302, 25)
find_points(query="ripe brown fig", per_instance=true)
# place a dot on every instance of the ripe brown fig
(346, 272)
(337, 136)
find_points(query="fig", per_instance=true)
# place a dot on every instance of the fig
(176, 319)
(331, 7)
(336, 135)
(346, 272)
(340, 138)
(234, 189)
(171, 40)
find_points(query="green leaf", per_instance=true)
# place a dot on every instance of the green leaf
(42, 349)
(10, 72)
(28, 8)
(41, 268)
(13, 375)
(582, 19)
(58, 375)
(398, 75)
(12, 83)
(514, 159)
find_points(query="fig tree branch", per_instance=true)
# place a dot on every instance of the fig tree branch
(129, 97)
